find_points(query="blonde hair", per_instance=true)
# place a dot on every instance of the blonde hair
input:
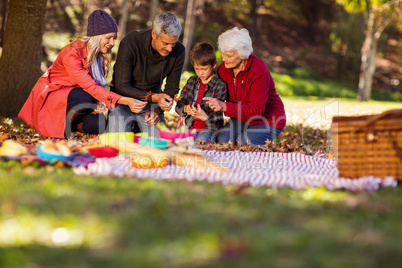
(93, 46)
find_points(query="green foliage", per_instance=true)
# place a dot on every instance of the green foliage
(284, 9)
(353, 5)
(209, 35)
(305, 82)
(346, 43)
(289, 86)
(237, 8)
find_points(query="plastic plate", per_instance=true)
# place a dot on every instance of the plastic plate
(48, 156)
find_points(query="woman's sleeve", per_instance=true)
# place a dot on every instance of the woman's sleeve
(258, 91)
(75, 69)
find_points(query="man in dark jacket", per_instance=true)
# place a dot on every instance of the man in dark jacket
(144, 60)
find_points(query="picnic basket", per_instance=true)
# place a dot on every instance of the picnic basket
(368, 145)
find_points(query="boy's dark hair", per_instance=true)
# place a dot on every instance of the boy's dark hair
(203, 54)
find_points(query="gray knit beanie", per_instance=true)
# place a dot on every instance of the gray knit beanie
(100, 22)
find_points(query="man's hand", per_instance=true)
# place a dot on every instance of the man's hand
(135, 105)
(215, 104)
(152, 117)
(198, 113)
(163, 100)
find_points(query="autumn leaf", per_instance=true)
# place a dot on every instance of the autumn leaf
(177, 98)
(145, 98)
(294, 138)
(3, 136)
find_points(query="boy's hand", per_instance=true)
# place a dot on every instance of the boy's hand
(186, 108)
(164, 101)
(198, 113)
(215, 104)
(181, 121)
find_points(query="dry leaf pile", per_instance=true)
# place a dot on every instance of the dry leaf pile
(290, 140)
(294, 138)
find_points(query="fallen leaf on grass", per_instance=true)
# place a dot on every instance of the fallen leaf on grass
(242, 190)
(233, 247)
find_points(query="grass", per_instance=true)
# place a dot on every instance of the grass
(49, 214)
(292, 86)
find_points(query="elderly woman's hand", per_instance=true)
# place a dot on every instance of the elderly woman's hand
(215, 104)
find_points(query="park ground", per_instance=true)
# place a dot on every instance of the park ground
(51, 217)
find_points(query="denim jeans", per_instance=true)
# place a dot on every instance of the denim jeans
(236, 130)
(122, 119)
(80, 105)
(204, 135)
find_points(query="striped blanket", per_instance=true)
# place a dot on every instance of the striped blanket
(257, 169)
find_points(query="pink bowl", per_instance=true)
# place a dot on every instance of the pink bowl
(169, 135)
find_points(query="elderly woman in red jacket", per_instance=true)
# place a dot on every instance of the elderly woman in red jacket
(255, 109)
(65, 97)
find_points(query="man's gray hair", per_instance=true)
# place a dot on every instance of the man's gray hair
(236, 40)
(168, 24)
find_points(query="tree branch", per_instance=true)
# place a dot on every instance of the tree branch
(389, 4)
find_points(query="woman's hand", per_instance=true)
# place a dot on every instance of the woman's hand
(198, 113)
(135, 105)
(215, 104)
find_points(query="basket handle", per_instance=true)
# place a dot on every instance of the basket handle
(378, 117)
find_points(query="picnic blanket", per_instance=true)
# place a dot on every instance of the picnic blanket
(256, 169)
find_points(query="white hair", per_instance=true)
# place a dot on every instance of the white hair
(236, 40)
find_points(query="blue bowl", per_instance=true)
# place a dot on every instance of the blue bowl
(154, 142)
(48, 156)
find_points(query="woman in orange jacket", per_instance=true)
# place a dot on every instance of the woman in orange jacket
(65, 97)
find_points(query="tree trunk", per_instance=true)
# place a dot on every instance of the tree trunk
(311, 10)
(21, 56)
(367, 67)
(123, 20)
(3, 21)
(253, 15)
(154, 9)
(188, 30)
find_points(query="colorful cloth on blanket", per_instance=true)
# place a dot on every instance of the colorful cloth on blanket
(257, 169)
